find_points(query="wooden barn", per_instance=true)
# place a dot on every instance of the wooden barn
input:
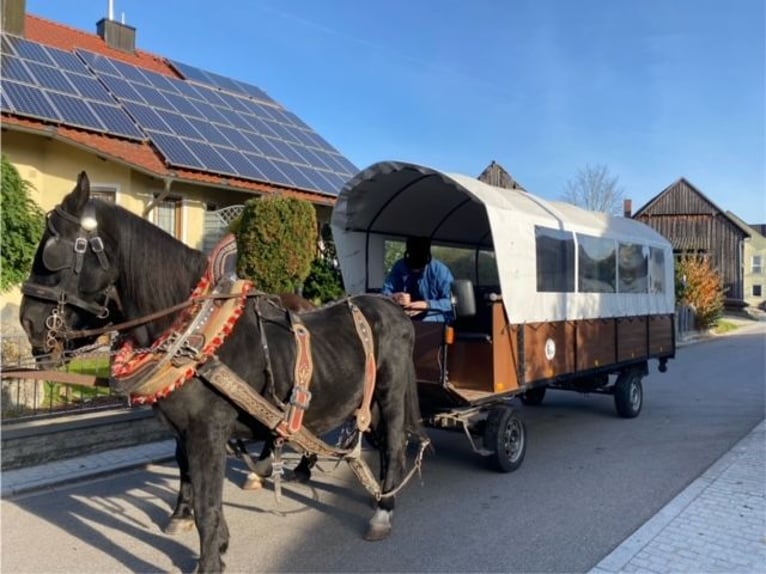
(496, 175)
(694, 224)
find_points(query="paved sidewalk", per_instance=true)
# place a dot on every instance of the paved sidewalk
(52, 474)
(717, 524)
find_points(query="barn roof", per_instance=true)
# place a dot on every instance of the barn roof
(661, 204)
(161, 117)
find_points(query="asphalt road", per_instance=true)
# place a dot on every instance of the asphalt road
(588, 481)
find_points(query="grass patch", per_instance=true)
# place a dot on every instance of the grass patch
(724, 326)
(59, 394)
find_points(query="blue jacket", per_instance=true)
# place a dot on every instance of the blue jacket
(433, 284)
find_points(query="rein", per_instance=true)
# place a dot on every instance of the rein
(125, 325)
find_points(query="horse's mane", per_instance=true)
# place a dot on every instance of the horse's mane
(158, 271)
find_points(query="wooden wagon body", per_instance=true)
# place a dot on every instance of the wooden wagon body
(560, 297)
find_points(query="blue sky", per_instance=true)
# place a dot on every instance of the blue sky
(653, 89)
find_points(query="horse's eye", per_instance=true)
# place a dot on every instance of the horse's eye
(58, 254)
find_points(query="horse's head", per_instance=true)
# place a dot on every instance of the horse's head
(72, 283)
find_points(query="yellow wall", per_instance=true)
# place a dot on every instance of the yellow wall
(52, 168)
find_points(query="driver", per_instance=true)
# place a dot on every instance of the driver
(421, 284)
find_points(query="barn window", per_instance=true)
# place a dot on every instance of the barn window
(597, 264)
(555, 256)
(633, 268)
(757, 264)
(757, 291)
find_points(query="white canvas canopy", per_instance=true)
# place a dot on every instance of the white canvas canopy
(394, 199)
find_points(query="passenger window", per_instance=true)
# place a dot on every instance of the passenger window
(656, 270)
(597, 264)
(633, 269)
(554, 250)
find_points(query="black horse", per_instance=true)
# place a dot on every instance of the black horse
(93, 253)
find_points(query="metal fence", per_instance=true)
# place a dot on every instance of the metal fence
(686, 322)
(25, 398)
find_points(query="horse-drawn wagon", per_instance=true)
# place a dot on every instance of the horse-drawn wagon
(547, 295)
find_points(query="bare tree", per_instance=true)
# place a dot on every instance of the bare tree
(595, 189)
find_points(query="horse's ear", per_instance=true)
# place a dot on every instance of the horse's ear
(76, 199)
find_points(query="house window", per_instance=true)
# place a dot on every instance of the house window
(757, 291)
(167, 216)
(757, 264)
(106, 193)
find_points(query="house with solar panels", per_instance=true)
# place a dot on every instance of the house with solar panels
(182, 146)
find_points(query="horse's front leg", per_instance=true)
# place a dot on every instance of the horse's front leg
(206, 449)
(392, 463)
(182, 518)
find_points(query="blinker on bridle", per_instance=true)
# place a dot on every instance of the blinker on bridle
(60, 254)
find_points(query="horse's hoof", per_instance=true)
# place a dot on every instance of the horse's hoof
(380, 525)
(377, 532)
(179, 525)
(301, 476)
(264, 468)
(253, 482)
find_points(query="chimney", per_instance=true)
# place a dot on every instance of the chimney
(14, 17)
(117, 35)
(627, 208)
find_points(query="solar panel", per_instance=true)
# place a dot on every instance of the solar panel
(30, 101)
(211, 158)
(51, 78)
(146, 117)
(98, 63)
(195, 74)
(15, 69)
(180, 126)
(121, 88)
(89, 87)
(75, 112)
(116, 120)
(217, 124)
(31, 51)
(6, 47)
(174, 150)
(67, 61)
(55, 86)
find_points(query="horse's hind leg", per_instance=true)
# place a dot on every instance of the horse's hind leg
(182, 518)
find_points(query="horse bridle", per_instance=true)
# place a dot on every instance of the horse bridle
(57, 330)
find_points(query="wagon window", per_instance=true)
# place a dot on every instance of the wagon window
(656, 270)
(461, 261)
(554, 251)
(633, 268)
(597, 264)
(487, 269)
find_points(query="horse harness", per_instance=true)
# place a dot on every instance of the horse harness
(188, 349)
(62, 254)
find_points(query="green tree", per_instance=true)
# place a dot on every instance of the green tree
(276, 240)
(21, 225)
(324, 282)
(699, 285)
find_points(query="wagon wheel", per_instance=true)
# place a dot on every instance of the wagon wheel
(628, 394)
(506, 437)
(533, 397)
